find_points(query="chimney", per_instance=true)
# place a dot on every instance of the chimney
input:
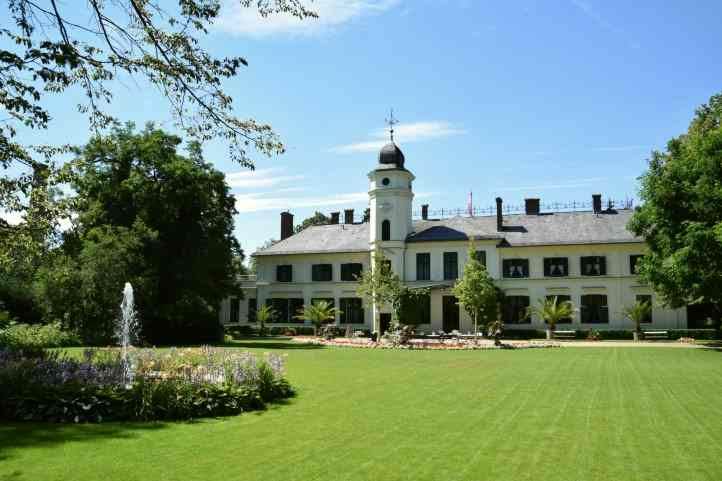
(335, 217)
(286, 225)
(348, 216)
(531, 206)
(597, 203)
(425, 211)
(499, 216)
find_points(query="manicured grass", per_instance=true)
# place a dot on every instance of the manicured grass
(556, 414)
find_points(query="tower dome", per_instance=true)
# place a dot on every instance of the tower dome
(390, 155)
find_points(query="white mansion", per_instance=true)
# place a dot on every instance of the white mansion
(586, 257)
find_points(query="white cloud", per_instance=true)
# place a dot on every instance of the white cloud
(261, 201)
(16, 218)
(12, 218)
(403, 133)
(240, 20)
(258, 202)
(259, 178)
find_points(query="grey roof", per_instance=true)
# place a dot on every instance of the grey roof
(323, 238)
(560, 228)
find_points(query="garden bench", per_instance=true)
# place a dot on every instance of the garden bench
(649, 335)
(565, 334)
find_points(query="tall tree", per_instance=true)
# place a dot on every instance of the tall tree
(55, 48)
(178, 215)
(681, 217)
(380, 287)
(318, 218)
(476, 291)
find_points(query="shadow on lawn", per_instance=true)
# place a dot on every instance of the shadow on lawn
(16, 436)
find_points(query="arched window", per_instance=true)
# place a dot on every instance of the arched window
(386, 230)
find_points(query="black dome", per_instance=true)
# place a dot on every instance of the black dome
(391, 155)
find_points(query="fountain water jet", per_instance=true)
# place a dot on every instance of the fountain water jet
(126, 332)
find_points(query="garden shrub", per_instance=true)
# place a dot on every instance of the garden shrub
(35, 337)
(523, 334)
(699, 334)
(168, 385)
(239, 332)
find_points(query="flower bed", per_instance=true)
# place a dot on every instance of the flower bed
(449, 344)
(166, 385)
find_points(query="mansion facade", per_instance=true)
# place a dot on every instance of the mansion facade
(587, 258)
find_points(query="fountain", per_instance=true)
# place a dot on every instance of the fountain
(126, 332)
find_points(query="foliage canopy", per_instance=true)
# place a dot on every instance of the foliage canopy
(681, 217)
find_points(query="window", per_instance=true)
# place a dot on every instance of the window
(561, 298)
(235, 309)
(352, 311)
(594, 309)
(322, 272)
(633, 260)
(285, 309)
(423, 267)
(451, 266)
(284, 273)
(252, 308)
(480, 256)
(415, 309)
(386, 181)
(647, 298)
(351, 272)
(556, 267)
(515, 267)
(386, 230)
(516, 310)
(594, 266)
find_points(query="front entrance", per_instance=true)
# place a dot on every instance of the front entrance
(385, 321)
(700, 315)
(450, 313)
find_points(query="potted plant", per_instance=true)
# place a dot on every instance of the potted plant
(317, 313)
(495, 328)
(263, 315)
(552, 312)
(637, 314)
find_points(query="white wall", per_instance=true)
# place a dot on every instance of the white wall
(302, 285)
(619, 285)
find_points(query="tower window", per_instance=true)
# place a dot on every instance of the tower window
(386, 181)
(386, 230)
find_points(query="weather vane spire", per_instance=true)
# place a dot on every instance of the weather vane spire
(391, 121)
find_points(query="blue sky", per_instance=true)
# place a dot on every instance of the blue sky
(556, 99)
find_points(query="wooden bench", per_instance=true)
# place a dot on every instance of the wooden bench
(650, 335)
(564, 334)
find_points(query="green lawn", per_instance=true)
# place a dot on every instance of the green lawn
(556, 414)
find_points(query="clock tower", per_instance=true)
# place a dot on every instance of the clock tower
(390, 200)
